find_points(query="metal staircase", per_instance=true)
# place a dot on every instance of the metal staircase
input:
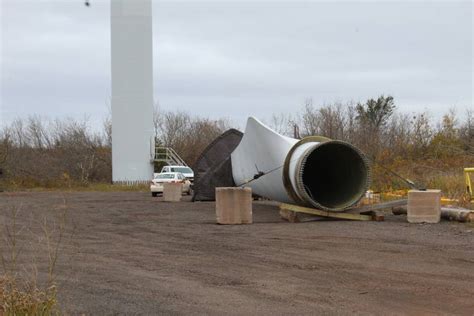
(168, 156)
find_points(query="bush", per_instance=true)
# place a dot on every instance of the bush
(26, 299)
(20, 290)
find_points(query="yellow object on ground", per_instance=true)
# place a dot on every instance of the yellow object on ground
(339, 215)
(467, 172)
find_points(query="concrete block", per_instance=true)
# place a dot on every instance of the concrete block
(172, 192)
(234, 205)
(424, 206)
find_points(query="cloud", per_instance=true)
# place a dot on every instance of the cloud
(243, 58)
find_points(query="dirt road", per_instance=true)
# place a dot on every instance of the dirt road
(133, 254)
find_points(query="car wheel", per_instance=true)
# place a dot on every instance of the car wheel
(154, 194)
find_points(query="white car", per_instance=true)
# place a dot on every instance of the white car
(156, 185)
(186, 171)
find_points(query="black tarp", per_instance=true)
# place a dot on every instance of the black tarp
(213, 168)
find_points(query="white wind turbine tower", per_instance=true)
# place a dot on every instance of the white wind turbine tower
(132, 90)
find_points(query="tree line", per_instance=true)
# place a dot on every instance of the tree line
(40, 152)
(37, 151)
(376, 126)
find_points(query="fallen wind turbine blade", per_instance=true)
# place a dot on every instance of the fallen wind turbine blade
(314, 171)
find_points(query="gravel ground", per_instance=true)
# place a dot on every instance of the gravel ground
(129, 253)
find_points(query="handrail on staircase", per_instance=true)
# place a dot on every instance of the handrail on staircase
(168, 155)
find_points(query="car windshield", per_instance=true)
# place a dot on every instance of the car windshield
(181, 169)
(165, 176)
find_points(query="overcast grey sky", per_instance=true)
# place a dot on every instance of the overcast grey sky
(239, 58)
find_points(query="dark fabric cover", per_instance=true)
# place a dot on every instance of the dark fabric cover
(214, 168)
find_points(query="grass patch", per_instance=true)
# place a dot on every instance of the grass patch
(26, 299)
(78, 187)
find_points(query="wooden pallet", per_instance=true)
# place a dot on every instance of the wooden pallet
(290, 213)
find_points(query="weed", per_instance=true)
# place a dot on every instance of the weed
(20, 291)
